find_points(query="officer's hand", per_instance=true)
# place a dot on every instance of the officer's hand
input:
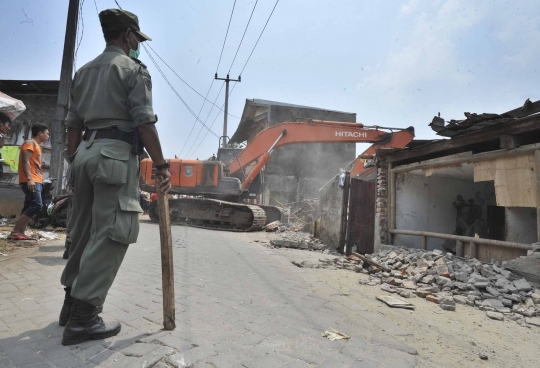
(166, 180)
(31, 185)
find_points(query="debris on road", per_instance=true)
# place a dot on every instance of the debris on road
(297, 245)
(273, 226)
(395, 302)
(47, 235)
(448, 280)
(334, 335)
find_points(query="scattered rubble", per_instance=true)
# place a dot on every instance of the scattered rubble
(298, 245)
(448, 280)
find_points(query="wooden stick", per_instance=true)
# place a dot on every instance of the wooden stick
(370, 262)
(167, 266)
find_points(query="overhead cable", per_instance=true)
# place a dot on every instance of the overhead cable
(174, 90)
(245, 30)
(256, 43)
(226, 33)
(186, 83)
(205, 120)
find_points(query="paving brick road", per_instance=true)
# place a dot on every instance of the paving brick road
(238, 304)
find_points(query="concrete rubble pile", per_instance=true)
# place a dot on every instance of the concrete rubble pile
(449, 280)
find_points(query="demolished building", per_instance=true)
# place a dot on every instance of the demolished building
(296, 172)
(476, 194)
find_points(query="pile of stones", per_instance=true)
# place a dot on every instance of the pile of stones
(449, 280)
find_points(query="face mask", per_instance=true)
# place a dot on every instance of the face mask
(135, 53)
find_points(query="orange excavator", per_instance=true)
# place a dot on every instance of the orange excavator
(215, 189)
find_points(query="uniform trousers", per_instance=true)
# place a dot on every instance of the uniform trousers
(105, 176)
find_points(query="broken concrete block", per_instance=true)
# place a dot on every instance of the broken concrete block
(507, 302)
(481, 284)
(461, 276)
(422, 293)
(529, 302)
(535, 321)
(493, 303)
(422, 263)
(535, 297)
(392, 255)
(437, 252)
(440, 262)
(428, 279)
(460, 299)
(395, 282)
(433, 298)
(408, 284)
(522, 285)
(442, 270)
(388, 288)
(405, 293)
(495, 315)
(492, 291)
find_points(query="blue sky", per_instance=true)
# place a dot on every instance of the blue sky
(393, 63)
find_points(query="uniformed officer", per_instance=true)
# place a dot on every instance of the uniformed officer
(111, 100)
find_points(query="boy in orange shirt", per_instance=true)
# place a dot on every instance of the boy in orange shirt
(30, 179)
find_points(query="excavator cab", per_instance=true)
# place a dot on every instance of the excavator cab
(194, 177)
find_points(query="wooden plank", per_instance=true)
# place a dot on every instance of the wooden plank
(167, 266)
(515, 181)
(371, 262)
(520, 126)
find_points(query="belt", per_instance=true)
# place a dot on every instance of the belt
(110, 133)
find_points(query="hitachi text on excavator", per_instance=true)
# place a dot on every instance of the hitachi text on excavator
(216, 189)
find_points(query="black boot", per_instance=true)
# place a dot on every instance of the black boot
(66, 308)
(85, 324)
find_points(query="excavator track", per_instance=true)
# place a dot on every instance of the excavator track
(213, 214)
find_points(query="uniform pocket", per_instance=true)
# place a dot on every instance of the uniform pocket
(125, 228)
(113, 165)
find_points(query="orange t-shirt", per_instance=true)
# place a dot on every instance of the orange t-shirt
(35, 162)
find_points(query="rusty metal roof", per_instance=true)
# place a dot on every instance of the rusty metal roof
(475, 122)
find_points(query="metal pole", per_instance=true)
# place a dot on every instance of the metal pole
(344, 211)
(58, 143)
(226, 111)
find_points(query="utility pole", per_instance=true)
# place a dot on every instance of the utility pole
(226, 113)
(58, 135)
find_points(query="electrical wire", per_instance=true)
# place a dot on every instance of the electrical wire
(97, 11)
(244, 67)
(177, 94)
(211, 84)
(202, 140)
(245, 30)
(226, 33)
(186, 83)
(256, 43)
(207, 116)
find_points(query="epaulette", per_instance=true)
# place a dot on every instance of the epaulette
(139, 62)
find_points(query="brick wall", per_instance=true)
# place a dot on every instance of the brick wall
(381, 204)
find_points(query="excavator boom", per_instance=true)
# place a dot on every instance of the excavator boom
(313, 131)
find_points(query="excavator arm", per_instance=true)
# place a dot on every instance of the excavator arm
(313, 131)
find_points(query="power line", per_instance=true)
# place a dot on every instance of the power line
(256, 43)
(202, 140)
(174, 90)
(211, 84)
(245, 30)
(193, 126)
(244, 67)
(97, 11)
(186, 83)
(205, 120)
(225, 40)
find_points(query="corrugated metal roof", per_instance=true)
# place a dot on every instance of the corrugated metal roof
(475, 122)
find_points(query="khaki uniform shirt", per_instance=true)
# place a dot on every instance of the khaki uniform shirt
(111, 90)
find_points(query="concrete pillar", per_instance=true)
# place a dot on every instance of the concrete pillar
(473, 250)
(537, 174)
(424, 242)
